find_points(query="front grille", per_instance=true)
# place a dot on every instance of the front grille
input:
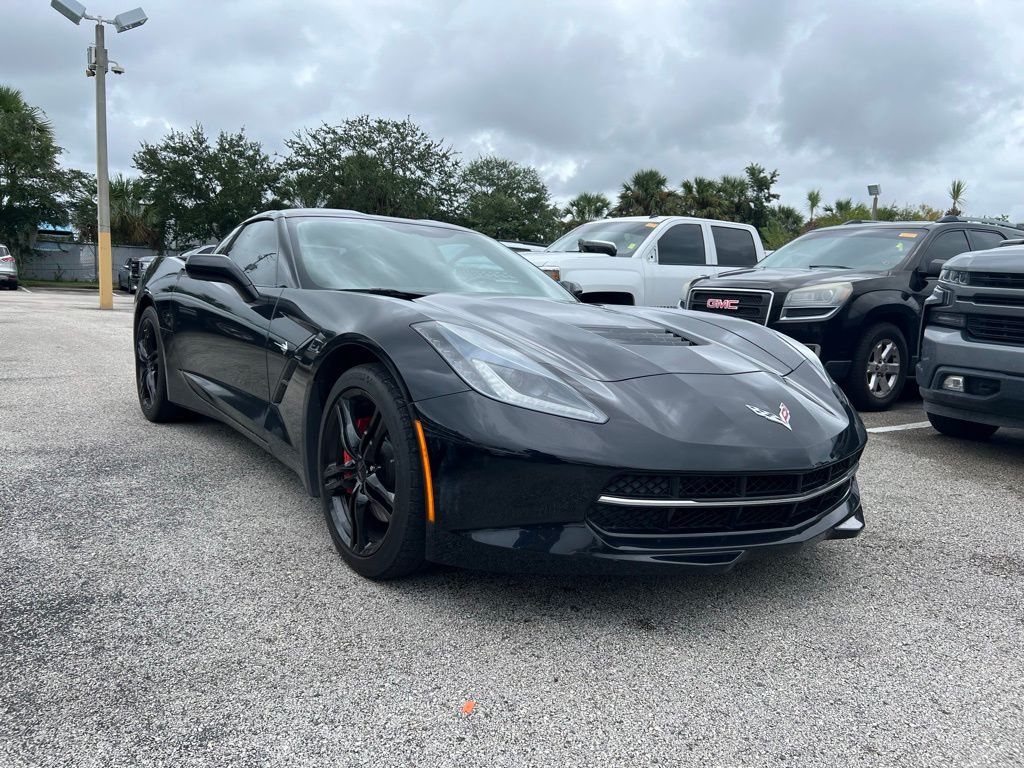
(676, 521)
(639, 337)
(744, 515)
(997, 301)
(750, 305)
(133, 268)
(997, 280)
(996, 328)
(717, 487)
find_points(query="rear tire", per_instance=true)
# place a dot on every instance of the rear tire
(966, 430)
(151, 372)
(370, 475)
(878, 372)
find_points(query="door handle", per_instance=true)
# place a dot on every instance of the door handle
(282, 346)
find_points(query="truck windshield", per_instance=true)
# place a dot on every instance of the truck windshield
(872, 249)
(627, 235)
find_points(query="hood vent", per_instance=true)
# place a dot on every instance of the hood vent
(639, 337)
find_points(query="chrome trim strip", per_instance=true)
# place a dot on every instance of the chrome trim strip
(771, 299)
(830, 312)
(760, 501)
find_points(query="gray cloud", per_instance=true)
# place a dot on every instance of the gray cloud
(835, 95)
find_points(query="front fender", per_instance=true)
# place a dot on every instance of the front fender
(606, 280)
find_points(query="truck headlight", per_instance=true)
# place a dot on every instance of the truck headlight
(819, 296)
(553, 272)
(957, 276)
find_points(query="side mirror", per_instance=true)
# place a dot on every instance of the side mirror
(218, 268)
(574, 288)
(935, 267)
(606, 247)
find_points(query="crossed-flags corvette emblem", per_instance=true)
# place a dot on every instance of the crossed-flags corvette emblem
(782, 417)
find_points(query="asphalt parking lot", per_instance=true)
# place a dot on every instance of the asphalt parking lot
(170, 596)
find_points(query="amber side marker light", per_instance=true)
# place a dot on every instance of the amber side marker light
(428, 484)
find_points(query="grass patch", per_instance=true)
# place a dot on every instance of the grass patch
(59, 284)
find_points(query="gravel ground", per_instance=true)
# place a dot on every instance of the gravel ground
(169, 596)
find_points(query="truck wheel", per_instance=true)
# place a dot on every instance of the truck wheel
(968, 430)
(879, 368)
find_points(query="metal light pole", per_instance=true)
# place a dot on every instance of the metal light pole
(98, 63)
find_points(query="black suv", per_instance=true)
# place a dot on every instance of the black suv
(853, 294)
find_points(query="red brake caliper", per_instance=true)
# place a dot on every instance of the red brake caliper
(346, 458)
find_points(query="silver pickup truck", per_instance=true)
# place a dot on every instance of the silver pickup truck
(971, 369)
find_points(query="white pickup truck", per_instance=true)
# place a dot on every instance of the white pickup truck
(647, 261)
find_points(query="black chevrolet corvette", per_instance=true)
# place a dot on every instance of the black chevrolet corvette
(449, 402)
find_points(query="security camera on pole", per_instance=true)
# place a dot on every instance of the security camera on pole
(97, 65)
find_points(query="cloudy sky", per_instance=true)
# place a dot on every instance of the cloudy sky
(834, 94)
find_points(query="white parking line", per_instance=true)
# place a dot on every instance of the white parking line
(23, 288)
(901, 427)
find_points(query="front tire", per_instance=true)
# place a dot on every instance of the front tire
(878, 372)
(966, 430)
(371, 476)
(151, 371)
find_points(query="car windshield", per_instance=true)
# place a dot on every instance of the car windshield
(405, 258)
(872, 249)
(627, 235)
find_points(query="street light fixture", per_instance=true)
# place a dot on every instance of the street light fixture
(874, 190)
(98, 64)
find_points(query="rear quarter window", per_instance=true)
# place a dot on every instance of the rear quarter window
(983, 239)
(735, 247)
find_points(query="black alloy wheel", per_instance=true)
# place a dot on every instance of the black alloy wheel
(150, 374)
(371, 482)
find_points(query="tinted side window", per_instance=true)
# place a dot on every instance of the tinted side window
(947, 245)
(735, 247)
(982, 240)
(683, 244)
(255, 251)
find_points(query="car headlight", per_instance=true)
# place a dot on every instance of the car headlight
(553, 272)
(958, 276)
(499, 371)
(824, 295)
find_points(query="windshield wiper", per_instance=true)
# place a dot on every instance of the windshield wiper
(828, 266)
(393, 292)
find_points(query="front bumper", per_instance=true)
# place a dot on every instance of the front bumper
(579, 548)
(945, 352)
(526, 506)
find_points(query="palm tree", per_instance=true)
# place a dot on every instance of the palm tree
(12, 105)
(587, 206)
(813, 201)
(646, 194)
(703, 198)
(132, 219)
(956, 192)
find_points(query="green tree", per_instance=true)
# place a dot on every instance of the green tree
(586, 206)
(133, 220)
(507, 201)
(956, 192)
(646, 194)
(200, 190)
(784, 223)
(735, 192)
(813, 201)
(703, 198)
(33, 187)
(389, 167)
(759, 188)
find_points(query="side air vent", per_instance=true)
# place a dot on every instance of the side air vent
(639, 337)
